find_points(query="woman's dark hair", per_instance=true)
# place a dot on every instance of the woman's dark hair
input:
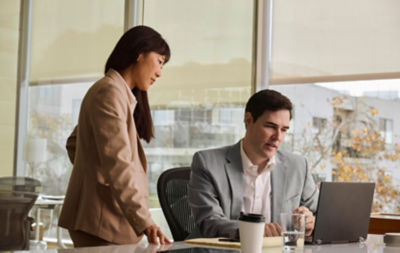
(267, 100)
(138, 40)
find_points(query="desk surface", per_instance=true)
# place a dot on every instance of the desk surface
(374, 244)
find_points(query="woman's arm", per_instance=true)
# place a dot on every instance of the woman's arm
(109, 116)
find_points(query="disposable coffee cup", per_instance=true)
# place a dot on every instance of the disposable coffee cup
(251, 232)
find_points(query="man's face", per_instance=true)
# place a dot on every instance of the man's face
(264, 136)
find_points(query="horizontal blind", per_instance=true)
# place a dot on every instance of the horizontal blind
(322, 41)
(71, 39)
(211, 51)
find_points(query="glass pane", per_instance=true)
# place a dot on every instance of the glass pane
(67, 42)
(211, 50)
(199, 101)
(204, 86)
(72, 39)
(360, 140)
(53, 113)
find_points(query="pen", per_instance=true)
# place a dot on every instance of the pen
(228, 240)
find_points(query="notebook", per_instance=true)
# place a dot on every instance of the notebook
(268, 242)
(343, 212)
(200, 250)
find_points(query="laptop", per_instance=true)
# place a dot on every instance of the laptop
(343, 212)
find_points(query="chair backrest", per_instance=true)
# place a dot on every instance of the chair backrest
(172, 193)
(17, 196)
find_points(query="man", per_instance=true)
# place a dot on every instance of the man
(252, 175)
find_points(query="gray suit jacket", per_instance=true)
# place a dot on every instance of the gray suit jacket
(215, 189)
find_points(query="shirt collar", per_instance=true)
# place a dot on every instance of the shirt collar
(250, 168)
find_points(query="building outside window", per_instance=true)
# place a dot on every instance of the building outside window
(318, 124)
(386, 129)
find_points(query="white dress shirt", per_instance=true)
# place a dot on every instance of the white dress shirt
(257, 187)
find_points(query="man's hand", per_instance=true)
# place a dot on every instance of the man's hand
(153, 232)
(272, 229)
(310, 219)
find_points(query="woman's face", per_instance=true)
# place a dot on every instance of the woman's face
(147, 69)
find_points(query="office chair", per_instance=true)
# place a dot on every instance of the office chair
(17, 196)
(172, 193)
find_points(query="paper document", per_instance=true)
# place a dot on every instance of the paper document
(268, 242)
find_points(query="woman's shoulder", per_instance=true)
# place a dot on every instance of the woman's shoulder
(110, 86)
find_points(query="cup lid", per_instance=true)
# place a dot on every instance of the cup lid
(251, 217)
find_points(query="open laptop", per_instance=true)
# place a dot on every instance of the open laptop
(343, 212)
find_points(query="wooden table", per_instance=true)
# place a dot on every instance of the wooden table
(383, 223)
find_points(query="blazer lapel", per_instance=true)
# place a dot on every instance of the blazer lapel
(278, 187)
(234, 171)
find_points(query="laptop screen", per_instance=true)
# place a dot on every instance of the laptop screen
(343, 212)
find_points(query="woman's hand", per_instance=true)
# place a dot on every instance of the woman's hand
(153, 232)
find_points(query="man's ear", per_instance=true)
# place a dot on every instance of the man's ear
(248, 118)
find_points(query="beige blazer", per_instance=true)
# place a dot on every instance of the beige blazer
(107, 194)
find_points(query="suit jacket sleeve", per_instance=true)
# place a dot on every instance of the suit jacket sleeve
(204, 200)
(71, 145)
(113, 144)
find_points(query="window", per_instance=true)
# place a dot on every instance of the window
(318, 124)
(53, 119)
(356, 139)
(386, 129)
(69, 46)
(206, 82)
(334, 63)
(9, 37)
(67, 56)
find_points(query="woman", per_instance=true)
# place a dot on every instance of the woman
(107, 200)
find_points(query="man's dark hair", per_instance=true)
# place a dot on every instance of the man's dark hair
(267, 100)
